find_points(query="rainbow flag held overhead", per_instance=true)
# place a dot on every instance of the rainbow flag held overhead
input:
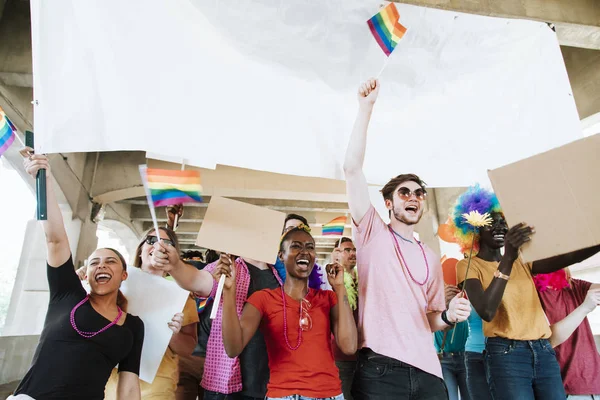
(386, 28)
(335, 227)
(168, 187)
(7, 132)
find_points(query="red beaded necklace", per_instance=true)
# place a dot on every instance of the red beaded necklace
(404, 261)
(91, 334)
(285, 335)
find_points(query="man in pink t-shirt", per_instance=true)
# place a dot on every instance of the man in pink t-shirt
(400, 282)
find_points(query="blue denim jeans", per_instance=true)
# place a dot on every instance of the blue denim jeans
(523, 369)
(476, 376)
(379, 377)
(298, 397)
(455, 375)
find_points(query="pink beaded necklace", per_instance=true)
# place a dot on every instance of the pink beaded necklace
(285, 335)
(404, 261)
(91, 334)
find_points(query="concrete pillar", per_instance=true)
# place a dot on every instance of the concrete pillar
(29, 299)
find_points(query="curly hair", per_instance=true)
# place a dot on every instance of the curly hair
(477, 199)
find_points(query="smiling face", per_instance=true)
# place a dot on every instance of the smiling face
(348, 254)
(492, 236)
(105, 272)
(298, 254)
(405, 205)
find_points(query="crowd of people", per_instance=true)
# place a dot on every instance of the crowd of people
(376, 322)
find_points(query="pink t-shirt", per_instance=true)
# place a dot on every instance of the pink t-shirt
(392, 309)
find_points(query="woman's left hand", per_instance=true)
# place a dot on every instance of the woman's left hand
(176, 322)
(335, 275)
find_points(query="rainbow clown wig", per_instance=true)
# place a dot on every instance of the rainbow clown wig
(474, 199)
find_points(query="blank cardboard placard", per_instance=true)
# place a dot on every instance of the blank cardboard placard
(155, 300)
(557, 192)
(242, 229)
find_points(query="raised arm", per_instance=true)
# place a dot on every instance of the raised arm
(237, 332)
(356, 183)
(57, 241)
(486, 302)
(552, 264)
(343, 325)
(201, 282)
(564, 328)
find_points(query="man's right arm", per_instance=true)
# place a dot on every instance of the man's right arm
(356, 182)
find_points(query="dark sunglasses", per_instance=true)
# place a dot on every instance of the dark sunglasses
(405, 193)
(150, 240)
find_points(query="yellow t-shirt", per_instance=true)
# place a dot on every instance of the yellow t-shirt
(165, 383)
(520, 315)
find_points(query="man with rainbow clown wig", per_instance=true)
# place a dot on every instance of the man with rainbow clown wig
(400, 284)
(519, 360)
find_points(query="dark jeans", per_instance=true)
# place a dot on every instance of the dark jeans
(476, 376)
(523, 369)
(347, 369)
(455, 375)
(379, 377)
(208, 395)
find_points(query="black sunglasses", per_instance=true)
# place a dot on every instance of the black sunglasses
(150, 240)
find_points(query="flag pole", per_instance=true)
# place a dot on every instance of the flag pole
(144, 174)
(384, 65)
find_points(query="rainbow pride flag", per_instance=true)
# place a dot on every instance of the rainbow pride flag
(7, 132)
(335, 226)
(386, 28)
(168, 187)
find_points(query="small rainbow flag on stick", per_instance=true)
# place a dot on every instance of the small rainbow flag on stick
(335, 227)
(7, 132)
(168, 187)
(386, 28)
(165, 187)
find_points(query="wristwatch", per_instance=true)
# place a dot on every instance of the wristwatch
(498, 274)
(446, 320)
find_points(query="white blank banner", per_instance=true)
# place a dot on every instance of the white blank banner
(271, 86)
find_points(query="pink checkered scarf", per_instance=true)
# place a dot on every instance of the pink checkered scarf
(221, 373)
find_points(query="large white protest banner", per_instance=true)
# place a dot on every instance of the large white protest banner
(256, 84)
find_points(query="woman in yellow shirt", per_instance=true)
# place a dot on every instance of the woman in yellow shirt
(519, 359)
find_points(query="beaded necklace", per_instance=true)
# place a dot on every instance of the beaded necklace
(285, 335)
(404, 261)
(91, 334)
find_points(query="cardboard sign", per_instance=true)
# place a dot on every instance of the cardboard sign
(556, 192)
(155, 300)
(241, 229)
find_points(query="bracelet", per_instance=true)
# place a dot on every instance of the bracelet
(446, 320)
(498, 274)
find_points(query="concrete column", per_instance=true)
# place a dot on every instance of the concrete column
(29, 299)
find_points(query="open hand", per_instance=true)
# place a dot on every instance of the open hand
(516, 237)
(176, 322)
(458, 309)
(368, 92)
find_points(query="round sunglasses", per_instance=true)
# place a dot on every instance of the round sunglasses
(150, 240)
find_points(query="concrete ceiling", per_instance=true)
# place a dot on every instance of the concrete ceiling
(112, 179)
